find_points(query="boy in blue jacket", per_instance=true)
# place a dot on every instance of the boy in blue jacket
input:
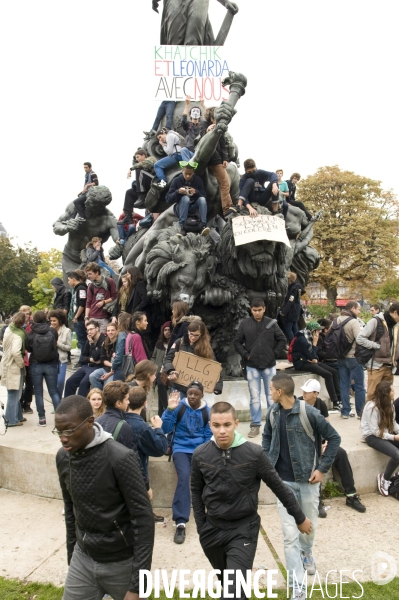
(190, 421)
(150, 440)
(187, 193)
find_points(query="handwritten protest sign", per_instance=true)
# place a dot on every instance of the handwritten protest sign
(194, 368)
(262, 227)
(196, 71)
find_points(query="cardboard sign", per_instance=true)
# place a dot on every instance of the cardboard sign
(262, 227)
(194, 368)
(196, 71)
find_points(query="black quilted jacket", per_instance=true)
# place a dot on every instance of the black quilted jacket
(107, 510)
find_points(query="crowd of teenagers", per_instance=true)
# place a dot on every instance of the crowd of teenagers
(186, 191)
(103, 412)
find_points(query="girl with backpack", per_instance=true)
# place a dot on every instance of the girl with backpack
(41, 342)
(381, 432)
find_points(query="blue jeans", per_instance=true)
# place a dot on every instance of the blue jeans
(95, 380)
(105, 266)
(13, 408)
(255, 376)
(294, 541)
(81, 334)
(171, 161)
(167, 107)
(184, 207)
(79, 381)
(123, 234)
(290, 329)
(182, 499)
(48, 372)
(348, 369)
(61, 378)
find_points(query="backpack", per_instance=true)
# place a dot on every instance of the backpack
(362, 354)
(193, 224)
(303, 417)
(44, 347)
(290, 357)
(118, 429)
(394, 487)
(336, 343)
(182, 410)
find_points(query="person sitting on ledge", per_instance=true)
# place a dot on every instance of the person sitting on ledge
(253, 189)
(90, 180)
(170, 141)
(187, 193)
(143, 165)
(295, 177)
(125, 230)
(95, 254)
(311, 390)
(305, 358)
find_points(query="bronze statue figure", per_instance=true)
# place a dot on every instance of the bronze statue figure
(186, 22)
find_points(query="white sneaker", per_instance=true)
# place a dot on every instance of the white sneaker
(308, 562)
(383, 485)
(298, 595)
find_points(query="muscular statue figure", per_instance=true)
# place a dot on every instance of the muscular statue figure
(100, 222)
(186, 22)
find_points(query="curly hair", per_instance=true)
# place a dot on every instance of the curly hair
(383, 402)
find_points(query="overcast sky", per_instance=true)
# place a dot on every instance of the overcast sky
(77, 85)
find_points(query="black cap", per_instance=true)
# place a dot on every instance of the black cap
(196, 384)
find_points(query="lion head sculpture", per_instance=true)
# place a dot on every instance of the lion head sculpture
(179, 267)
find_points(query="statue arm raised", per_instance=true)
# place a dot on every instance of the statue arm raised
(60, 228)
(231, 6)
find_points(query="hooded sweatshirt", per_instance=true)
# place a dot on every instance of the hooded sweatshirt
(62, 296)
(190, 431)
(100, 436)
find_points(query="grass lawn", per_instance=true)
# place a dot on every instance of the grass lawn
(17, 590)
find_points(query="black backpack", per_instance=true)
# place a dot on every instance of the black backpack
(44, 347)
(362, 354)
(394, 487)
(336, 343)
(193, 224)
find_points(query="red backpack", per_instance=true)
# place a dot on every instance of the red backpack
(290, 350)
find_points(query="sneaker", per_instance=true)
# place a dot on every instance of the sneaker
(352, 414)
(205, 231)
(308, 562)
(22, 420)
(354, 502)
(42, 422)
(344, 416)
(127, 220)
(139, 203)
(180, 534)
(322, 511)
(253, 431)
(158, 518)
(161, 184)
(383, 485)
(79, 218)
(28, 410)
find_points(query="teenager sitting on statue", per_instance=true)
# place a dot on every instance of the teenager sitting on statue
(218, 163)
(143, 165)
(295, 177)
(258, 187)
(187, 193)
(166, 109)
(170, 141)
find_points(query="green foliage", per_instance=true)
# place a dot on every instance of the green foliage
(389, 290)
(357, 234)
(331, 490)
(17, 267)
(19, 590)
(50, 267)
(321, 311)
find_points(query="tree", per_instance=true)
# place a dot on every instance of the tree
(356, 235)
(17, 267)
(389, 290)
(49, 267)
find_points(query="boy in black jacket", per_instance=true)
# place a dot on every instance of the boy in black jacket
(253, 188)
(259, 341)
(187, 193)
(225, 478)
(108, 516)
